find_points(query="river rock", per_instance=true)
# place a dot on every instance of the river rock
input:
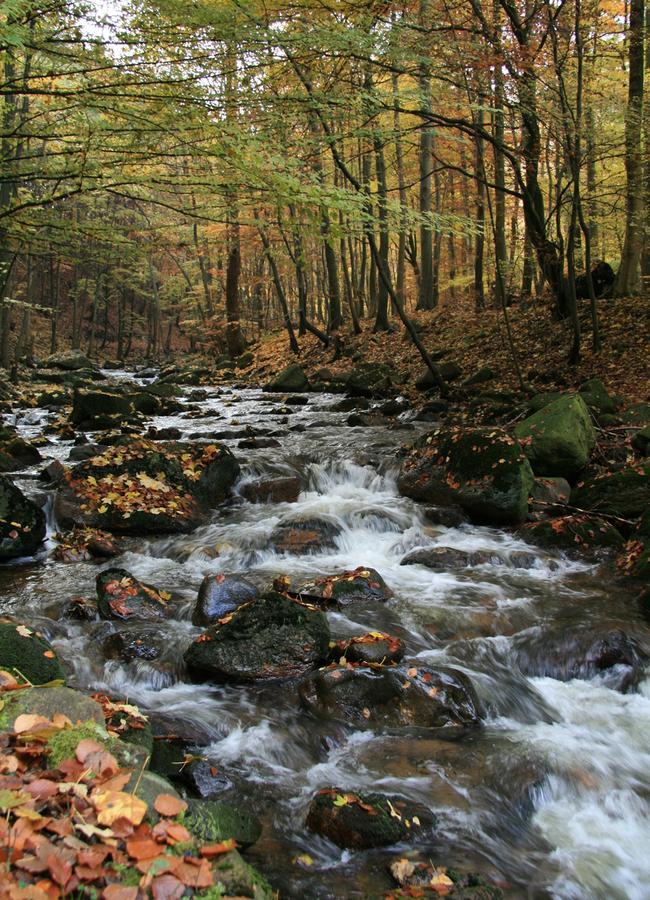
(577, 532)
(234, 877)
(445, 559)
(360, 820)
(271, 490)
(375, 648)
(303, 535)
(289, 380)
(422, 877)
(360, 585)
(624, 493)
(484, 471)
(69, 360)
(127, 646)
(121, 596)
(48, 702)
(447, 516)
(441, 698)
(212, 821)
(559, 438)
(27, 654)
(370, 380)
(273, 637)
(141, 487)
(17, 453)
(220, 595)
(98, 410)
(22, 522)
(575, 650)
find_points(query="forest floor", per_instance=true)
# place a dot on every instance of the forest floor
(474, 340)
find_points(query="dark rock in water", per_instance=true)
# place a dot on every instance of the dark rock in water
(374, 648)
(198, 395)
(258, 443)
(558, 439)
(448, 516)
(121, 596)
(17, 453)
(82, 544)
(444, 559)
(53, 473)
(482, 470)
(304, 535)
(360, 585)
(96, 410)
(394, 407)
(22, 523)
(220, 595)
(272, 490)
(79, 609)
(271, 638)
(579, 532)
(367, 420)
(441, 698)
(211, 822)
(139, 487)
(204, 778)
(170, 756)
(571, 650)
(26, 653)
(69, 361)
(164, 434)
(423, 876)
(128, 646)
(348, 404)
(625, 493)
(602, 279)
(84, 452)
(360, 821)
(295, 400)
(290, 380)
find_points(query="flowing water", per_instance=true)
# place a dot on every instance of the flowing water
(550, 799)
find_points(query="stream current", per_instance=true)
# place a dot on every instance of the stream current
(551, 798)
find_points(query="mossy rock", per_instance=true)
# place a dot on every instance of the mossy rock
(239, 879)
(94, 408)
(484, 471)
(624, 493)
(25, 652)
(361, 821)
(559, 438)
(596, 397)
(576, 532)
(146, 403)
(162, 390)
(636, 414)
(63, 744)
(290, 380)
(370, 379)
(147, 786)
(641, 441)
(360, 585)
(48, 702)
(21, 452)
(211, 821)
(69, 361)
(121, 596)
(22, 522)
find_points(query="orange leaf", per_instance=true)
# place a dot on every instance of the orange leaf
(211, 850)
(119, 892)
(168, 805)
(113, 805)
(86, 747)
(26, 722)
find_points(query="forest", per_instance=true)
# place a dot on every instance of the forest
(324, 449)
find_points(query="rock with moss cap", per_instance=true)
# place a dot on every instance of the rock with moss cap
(577, 532)
(360, 820)
(624, 493)
(484, 471)
(422, 876)
(559, 438)
(290, 380)
(212, 821)
(121, 596)
(270, 638)
(22, 522)
(47, 702)
(25, 652)
(237, 878)
(361, 585)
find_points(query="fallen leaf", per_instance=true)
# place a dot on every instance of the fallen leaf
(168, 805)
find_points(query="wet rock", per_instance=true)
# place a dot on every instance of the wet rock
(212, 821)
(360, 821)
(578, 532)
(85, 451)
(259, 443)
(416, 876)
(121, 596)
(25, 653)
(79, 609)
(98, 410)
(198, 395)
(204, 778)
(558, 439)
(164, 434)
(442, 698)
(271, 638)
(483, 470)
(220, 595)
(367, 420)
(375, 648)
(141, 487)
(304, 535)
(83, 544)
(447, 516)
(444, 559)
(53, 473)
(348, 404)
(359, 585)
(22, 522)
(271, 490)
(48, 702)
(571, 650)
(290, 380)
(234, 877)
(69, 360)
(16, 453)
(127, 646)
(625, 493)
(192, 375)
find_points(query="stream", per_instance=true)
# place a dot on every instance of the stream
(551, 798)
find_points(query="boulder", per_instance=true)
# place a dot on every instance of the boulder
(418, 877)
(484, 471)
(304, 535)
(595, 395)
(576, 532)
(290, 380)
(559, 438)
(17, 453)
(549, 493)
(22, 522)
(361, 585)
(360, 820)
(128, 646)
(446, 559)
(220, 595)
(27, 654)
(636, 414)
(140, 487)
(442, 699)
(641, 441)
(481, 376)
(234, 877)
(373, 649)
(212, 821)
(122, 597)
(272, 490)
(624, 493)
(97, 410)
(370, 380)
(272, 638)
(69, 361)
(47, 702)
(447, 516)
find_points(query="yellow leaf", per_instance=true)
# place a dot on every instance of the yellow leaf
(412, 673)
(113, 805)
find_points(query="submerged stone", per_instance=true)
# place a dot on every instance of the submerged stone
(22, 522)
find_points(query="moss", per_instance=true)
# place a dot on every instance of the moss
(558, 438)
(63, 744)
(625, 493)
(212, 821)
(28, 655)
